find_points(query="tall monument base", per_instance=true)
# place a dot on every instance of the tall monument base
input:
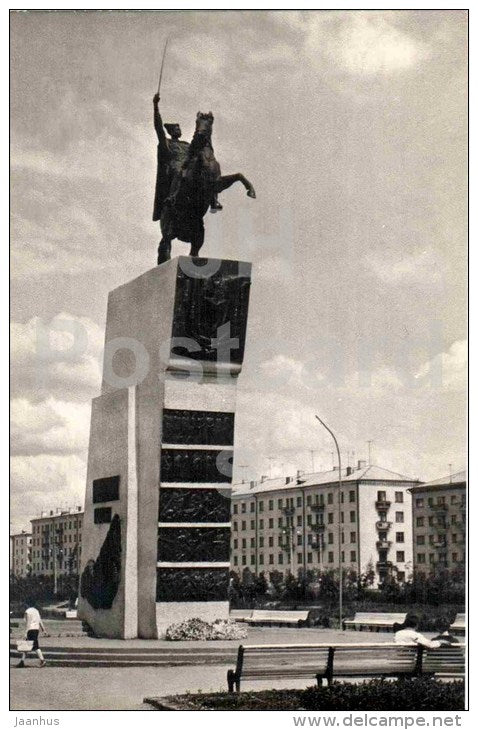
(157, 508)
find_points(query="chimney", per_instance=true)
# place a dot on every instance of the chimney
(252, 485)
(288, 480)
(361, 464)
(51, 513)
(263, 478)
(78, 508)
(336, 468)
(349, 471)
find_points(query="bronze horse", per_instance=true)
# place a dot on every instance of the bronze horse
(182, 214)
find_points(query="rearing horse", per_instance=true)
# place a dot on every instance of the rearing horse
(182, 217)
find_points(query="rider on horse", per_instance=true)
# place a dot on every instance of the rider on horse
(172, 154)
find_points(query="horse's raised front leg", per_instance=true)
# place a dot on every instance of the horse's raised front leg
(164, 250)
(225, 181)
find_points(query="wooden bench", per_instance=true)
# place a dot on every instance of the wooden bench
(278, 618)
(329, 661)
(373, 621)
(459, 624)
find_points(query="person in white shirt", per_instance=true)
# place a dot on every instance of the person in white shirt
(33, 625)
(406, 633)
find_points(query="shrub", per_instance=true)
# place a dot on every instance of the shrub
(421, 693)
(195, 629)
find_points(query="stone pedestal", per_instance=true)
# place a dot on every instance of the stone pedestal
(157, 509)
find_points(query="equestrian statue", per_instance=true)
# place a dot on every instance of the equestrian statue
(188, 181)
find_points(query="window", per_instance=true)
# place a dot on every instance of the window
(235, 559)
(271, 522)
(261, 559)
(309, 557)
(261, 541)
(343, 557)
(309, 519)
(281, 558)
(353, 537)
(419, 502)
(400, 556)
(279, 522)
(398, 496)
(341, 517)
(253, 542)
(253, 559)
(430, 501)
(271, 541)
(399, 537)
(309, 500)
(331, 557)
(453, 538)
(330, 518)
(453, 499)
(352, 495)
(244, 543)
(243, 507)
(299, 501)
(299, 558)
(430, 521)
(330, 498)
(381, 496)
(271, 504)
(244, 560)
(243, 525)
(299, 539)
(235, 543)
(299, 520)
(341, 498)
(330, 538)
(441, 500)
(352, 515)
(252, 507)
(261, 506)
(235, 509)
(400, 576)
(261, 524)
(253, 524)
(431, 557)
(420, 539)
(399, 516)
(279, 503)
(353, 556)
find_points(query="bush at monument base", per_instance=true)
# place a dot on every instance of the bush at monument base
(417, 694)
(195, 629)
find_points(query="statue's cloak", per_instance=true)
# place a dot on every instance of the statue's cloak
(168, 162)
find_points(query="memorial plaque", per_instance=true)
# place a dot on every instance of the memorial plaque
(204, 304)
(196, 465)
(194, 505)
(193, 544)
(198, 427)
(101, 515)
(192, 584)
(106, 489)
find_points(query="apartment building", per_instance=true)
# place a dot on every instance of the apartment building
(292, 524)
(56, 542)
(439, 522)
(20, 554)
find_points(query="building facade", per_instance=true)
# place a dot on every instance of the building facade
(20, 554)
(439, 523)
(292, 524)
(56, 542)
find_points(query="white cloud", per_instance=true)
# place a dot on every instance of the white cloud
(49, 427)
(447, 369)
(59, 357)
(420, 268)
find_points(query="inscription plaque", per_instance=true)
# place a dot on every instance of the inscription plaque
(106, 489)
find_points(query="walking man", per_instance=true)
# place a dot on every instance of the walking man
(33, 625)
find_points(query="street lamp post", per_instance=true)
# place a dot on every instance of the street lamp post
(339, 521)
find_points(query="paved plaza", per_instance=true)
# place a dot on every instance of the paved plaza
(123, 688)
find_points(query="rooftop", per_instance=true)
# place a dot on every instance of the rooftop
(458, 478)
(366, 473)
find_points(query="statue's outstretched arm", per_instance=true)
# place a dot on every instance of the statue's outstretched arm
(158, 124)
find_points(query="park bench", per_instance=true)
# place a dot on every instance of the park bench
(330, 661)
(240, 614)
(458, 625)
(278, 618)
(373, 621)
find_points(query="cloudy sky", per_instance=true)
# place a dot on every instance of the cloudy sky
(351, 126)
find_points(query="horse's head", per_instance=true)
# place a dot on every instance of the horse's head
(204, 124)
